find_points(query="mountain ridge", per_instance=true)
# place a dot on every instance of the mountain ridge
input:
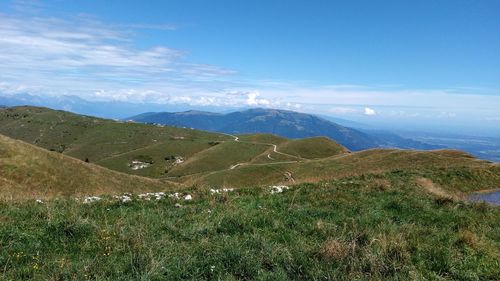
(285, 123)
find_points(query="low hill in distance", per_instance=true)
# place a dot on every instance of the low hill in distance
(203, 159)
(284, 123)
(382, 214)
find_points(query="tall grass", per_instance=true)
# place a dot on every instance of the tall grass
(374, 227)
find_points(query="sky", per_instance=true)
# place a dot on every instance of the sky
(399, 64)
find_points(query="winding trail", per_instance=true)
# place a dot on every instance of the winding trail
(275, 150)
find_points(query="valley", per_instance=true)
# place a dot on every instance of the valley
(112, 200)
(190, 157)
(249, 140)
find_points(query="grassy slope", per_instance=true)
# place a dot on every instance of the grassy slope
(359, 163)
(383, 214)
(219, 157)
(82, 136)
(99, 139)
(373, 227)
(157, 152)
(27, 171)
(312, 148)
(209, 156)
(262, 138)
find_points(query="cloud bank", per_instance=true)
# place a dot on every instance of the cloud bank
(100, 61)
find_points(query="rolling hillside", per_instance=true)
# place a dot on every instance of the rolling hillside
(192, 157)
(166, 152)
(27, 171)
(381, 214)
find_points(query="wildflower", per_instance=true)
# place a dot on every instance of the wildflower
(39, 201)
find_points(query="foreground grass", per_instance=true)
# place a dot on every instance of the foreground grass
(370, 227)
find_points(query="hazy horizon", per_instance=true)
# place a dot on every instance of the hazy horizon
(417, 65)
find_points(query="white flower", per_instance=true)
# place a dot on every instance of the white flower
(39, 201)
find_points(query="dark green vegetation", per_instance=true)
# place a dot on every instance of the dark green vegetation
(376, 227)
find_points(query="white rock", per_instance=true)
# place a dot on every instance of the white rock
(91, 199)
(218, 191)
(278, 188)
(188, 197)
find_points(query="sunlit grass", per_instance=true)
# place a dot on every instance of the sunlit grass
(370, 227)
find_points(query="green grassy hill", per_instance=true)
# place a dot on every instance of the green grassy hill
(312, 148)
(88, 137)
(380, 214)
(27, 171)
(456, 165)
(371, 227)
(200, 158)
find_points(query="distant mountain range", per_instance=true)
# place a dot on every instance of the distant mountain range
(283, 123)
(104, 109)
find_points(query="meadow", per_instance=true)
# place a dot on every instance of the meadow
(377, 227)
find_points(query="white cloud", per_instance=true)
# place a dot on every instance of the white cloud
(96, 60)
(83, 53)
(369, 111)
(342, 110)
(253, 100)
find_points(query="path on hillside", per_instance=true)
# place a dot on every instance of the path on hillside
(275, 150)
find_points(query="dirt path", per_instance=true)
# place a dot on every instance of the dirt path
(275, 150)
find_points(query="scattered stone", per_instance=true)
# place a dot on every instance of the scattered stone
(178, 160)
(123, 198)
(175, 195)
(137, 165)
(218, 191)
(91, 199)
(278, 188)
(188, 197)
(177, 205)
(148, 196)
(39, 201)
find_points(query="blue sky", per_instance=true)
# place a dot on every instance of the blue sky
(386, 62)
